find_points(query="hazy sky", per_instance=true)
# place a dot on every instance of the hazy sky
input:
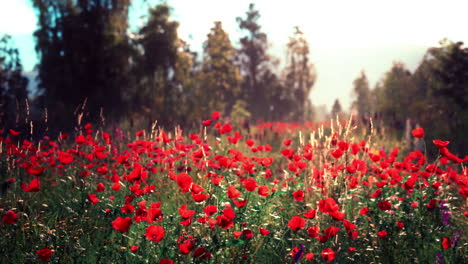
(345, 36)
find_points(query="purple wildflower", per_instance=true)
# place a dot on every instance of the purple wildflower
(445, 212)
(456, 237)
(438, 259)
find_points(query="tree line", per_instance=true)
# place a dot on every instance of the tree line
(91, 66)
(434, 96)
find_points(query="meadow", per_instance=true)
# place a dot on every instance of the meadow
(270, 193)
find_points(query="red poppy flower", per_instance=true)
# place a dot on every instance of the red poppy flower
(128, 209)
(139, 133)
(33, 186)
(250, 184)
(199, 197)
(418, 132)
(337, 215)
(348, 225)
(263, 231)
(297, 253)
(263, 191)
(287, 142)
(446, 243)
(328, 205)
(184, 181)
(36, 171)
(353, 234)
(247, 233)
(166, 261)
(122, 224)
(237, 234)
(65, 158)
(343, 145)
(225, 222)
(384, 205)
(93, 199)
(215, 115)
(440, 144)
(135, 174)
(226, 128)
(377, 193)
(331, 231)
(210, 210)
(310, 214)
(134, 249)
(310, 256)
(228, 212)
(196, 189)
(155, 233)
(298, 195)
(355, 149)
(288, 153)
(102, 170)
(14, 132)
(10, 218)
(296, 223)
(328, 254)
(154, 214)
(233, 192)
(202, 254)
(100, 187)
(185, 213)
(207, 122)
(80, 139)
(44, 254)
(382, 234)
(337, 153)
(116, 186)
(313, 231)
(240, 203)
(400, 225)
(250, 142)
(186, 222)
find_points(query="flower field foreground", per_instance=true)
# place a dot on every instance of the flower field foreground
(229, 196)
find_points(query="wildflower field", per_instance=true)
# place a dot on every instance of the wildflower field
(271, 193)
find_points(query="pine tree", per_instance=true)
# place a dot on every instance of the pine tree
(84, 54)
(395, 98)
(254, 64)
(361, 91)
(300, 75)
(156, 93)
(220, 79)
(337, 110)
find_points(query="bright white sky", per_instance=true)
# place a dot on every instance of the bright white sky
(346, 36)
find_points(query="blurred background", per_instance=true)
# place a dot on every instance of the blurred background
(127, 63)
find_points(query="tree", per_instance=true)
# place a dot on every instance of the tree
(435, 96)
(13, 85)
(254, 63)
(337, 110)
(300, 75)
(84, 54)
(362, 102)
(448, 88)
(220, 79)
(157, 90)
(394, 99)
(451, 72)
